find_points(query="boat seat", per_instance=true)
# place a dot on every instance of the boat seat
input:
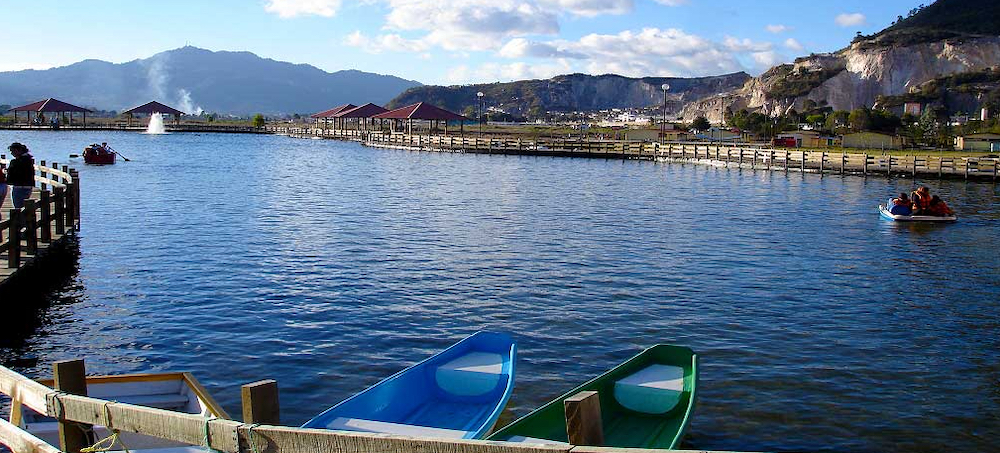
(375, 426)
(655, 389)
(182, 449)
(475, 373)
(159, 401)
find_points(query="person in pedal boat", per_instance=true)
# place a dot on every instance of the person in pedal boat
(939, 208)
(921, 201)
(901, 205)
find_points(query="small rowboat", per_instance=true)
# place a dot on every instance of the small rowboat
(456, 394)
(179, 392)
(914, 218)
(98, 155)
(646, 402)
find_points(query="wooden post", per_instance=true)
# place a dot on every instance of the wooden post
(803, 163)
(822, 161)
(864, 168)
(966, 168)
(14, 239)
(843, 162)
(45, 217)
(30, 225)
(786, 161)
(69, 210)
(260, 402)
(583, 419)
(888, 166)
(76, 198)
(71, 377)
(60, 210)
(41, 173)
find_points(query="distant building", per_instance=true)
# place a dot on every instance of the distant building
(653, 135)
(978, 142)
(913, 108)
(718, 134)
(958, 120)
(873, 140)
(810, 139)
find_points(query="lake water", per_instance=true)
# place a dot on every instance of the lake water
(327, 266)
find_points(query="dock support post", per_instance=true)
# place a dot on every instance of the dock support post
(76, 199)
(30, 228)
(14, 239)
(803, 163)
(260, 402)
(71, 377)
(822, 162)
(45, 217)
(583, 419)
(864, 168)
(60, 212)
(843, 162)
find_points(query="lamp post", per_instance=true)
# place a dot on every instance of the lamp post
(663, 124)
(480, 96)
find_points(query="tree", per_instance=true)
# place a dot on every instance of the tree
(816, 120)
(701, 124)
(860, 119)
(836, 120)
(258, 121)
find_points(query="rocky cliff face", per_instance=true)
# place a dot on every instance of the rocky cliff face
(574, 92)
(852, 78)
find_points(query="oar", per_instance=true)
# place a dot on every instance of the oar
(74, 156)
(120, 154)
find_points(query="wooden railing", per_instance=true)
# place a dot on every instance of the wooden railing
(55, 211)
(743, 155)
(68, 404)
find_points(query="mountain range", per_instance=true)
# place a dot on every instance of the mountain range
(193, 79)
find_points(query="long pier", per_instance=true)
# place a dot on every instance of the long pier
(726, 155)
(169, 127)
(50, 215)
(259, 432)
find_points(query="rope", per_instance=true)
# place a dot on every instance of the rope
(208, 444)
(253, 444)
(107, 443)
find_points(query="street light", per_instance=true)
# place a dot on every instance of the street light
(663, 124)
(480, 96)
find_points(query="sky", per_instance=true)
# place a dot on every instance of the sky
(450, 42)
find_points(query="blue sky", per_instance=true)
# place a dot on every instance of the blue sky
(450, 42)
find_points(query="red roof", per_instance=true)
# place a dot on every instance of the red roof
(49, 105)
(154, 107)
(330, 113)
(365, 111)
(422, 111)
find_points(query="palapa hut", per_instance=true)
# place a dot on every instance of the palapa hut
(360, 115)
(325, 116)
(50, 105)
(152, 107)
(421, 111)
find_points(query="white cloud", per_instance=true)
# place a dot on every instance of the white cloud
(507, 72)
(384, 43)
(521, 48)
(767, 59)
(672, 2)
(851, 19)
(653, 52)
(793, 44)
(777, 28)
(589, 8)
(294, 8)
(471, 24)
(745, 45)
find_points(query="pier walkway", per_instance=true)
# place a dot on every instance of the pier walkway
(728, 155)
(47, 218)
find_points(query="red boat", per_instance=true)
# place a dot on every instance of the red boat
(98, 155)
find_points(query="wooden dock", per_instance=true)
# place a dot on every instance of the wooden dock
(259, 431)
(47, 218)
(726, 155)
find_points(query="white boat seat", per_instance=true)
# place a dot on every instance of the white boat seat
(160, 401)
(375, 426)
(655, 389)
(475, 373)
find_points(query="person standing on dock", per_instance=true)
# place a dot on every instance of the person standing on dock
(3, 188)
(21, 174)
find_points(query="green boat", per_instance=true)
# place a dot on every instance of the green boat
(646, 402)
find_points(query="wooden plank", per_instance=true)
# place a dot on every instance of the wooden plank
(20, 388)
(213, 406)
(283, 439)
(71, 377)
(21, 441)
(260, 402)
(176, 426)
(583, 418)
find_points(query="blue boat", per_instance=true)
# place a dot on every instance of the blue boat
(456, 394)
(884, 212)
